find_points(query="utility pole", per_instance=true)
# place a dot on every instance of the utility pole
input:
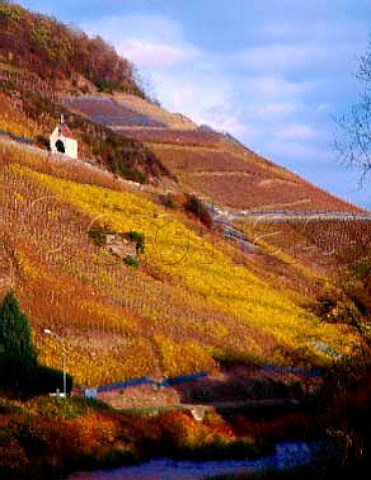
(60, 339)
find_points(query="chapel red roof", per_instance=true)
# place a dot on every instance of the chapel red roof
(65, 131)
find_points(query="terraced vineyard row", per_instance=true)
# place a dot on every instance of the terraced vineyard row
(110, 112)
(244, 180)
(191, 138)
(186, 306)
(315, 242)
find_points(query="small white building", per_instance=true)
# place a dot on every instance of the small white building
(62, 140)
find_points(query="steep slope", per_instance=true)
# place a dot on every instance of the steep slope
(46, 69)
(59, 54)
(133, 283)
(213, 165)
(42, 61)
(187, 307)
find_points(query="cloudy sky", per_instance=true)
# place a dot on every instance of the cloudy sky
(274, 74)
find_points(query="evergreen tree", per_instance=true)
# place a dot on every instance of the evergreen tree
(18, 358)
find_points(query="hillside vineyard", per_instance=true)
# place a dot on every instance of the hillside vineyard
(143, 248)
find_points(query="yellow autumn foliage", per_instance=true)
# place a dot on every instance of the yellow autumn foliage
(201, 266)
(188, 304)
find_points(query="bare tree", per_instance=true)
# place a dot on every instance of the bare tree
(353, 140)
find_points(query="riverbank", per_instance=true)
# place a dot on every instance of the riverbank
(46, 438)
(49, 437)
(171, 469)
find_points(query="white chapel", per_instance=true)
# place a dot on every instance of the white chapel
(62, 140)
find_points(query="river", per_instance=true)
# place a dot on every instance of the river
(287, 454)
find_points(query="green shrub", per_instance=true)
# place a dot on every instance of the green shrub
(194, 205)
(131, 261)
(138, 238)
(168, 201)
(98, 237)
(104, 86)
